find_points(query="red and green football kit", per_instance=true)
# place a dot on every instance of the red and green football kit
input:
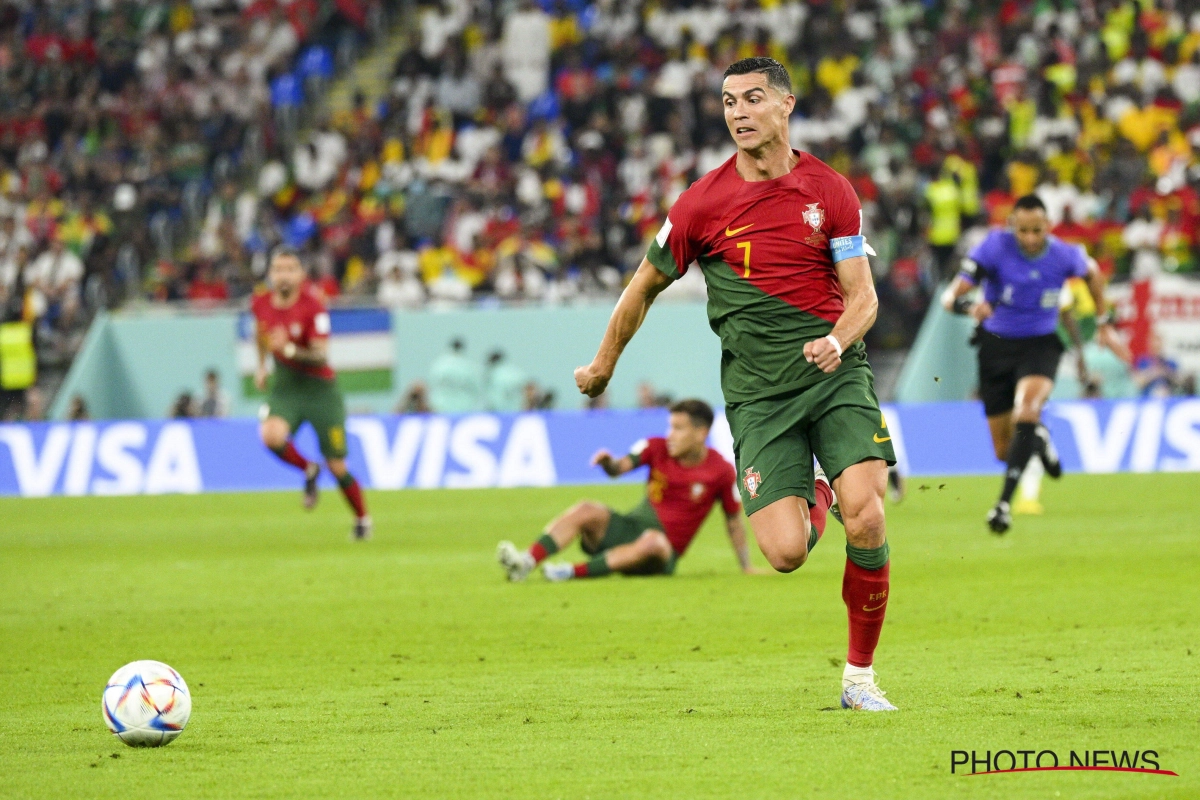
(678, 499)
(768, 250)
(303, 392)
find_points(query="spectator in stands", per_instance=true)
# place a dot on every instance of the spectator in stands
(184, 406)
(54, 278)
(215, 402)
(505, 383)
(454, 381)
(415, 400)
(1156, 375)
(77, 410)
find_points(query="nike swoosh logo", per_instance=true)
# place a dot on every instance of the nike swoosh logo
(735, 231)
(876, 608)
(881, 441)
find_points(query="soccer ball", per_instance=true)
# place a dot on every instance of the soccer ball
(146, 704)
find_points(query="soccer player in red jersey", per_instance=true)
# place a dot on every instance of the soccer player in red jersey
(293, 328)
(687, 478)
(778, 236)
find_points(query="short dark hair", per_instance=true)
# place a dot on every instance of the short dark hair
(700, 412)
(287, 252)
(1029, 202)
(777, 74)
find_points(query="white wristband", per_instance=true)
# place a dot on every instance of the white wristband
(836, 344)
(289, 350)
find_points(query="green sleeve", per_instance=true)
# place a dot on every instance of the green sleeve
(663, 260)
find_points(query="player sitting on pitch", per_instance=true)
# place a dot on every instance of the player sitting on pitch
(293, 327)
(687, 478)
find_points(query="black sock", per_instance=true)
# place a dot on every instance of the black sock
(1022, 448)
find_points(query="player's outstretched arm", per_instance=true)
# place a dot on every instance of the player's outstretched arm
(1106, 333)
(858, 287)
(613, 467)
(955, 299)
(737, 538)
(626, 318)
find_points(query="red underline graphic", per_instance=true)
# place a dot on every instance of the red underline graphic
(1079, 769)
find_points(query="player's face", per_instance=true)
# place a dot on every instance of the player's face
(1031, 226)
(684, 436)
(755, 113)
(286, 275)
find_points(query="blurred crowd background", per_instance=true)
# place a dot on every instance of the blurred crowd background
(523, 151)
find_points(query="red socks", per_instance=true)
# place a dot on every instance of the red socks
(865, 593)
(288, 454)
(543, 547)
(817, 514)
(354, 496)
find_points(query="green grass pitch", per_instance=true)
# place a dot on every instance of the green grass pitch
(406, 666)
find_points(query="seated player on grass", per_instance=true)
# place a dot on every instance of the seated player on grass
(687, 478)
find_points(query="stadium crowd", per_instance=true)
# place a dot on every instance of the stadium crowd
(528, 152)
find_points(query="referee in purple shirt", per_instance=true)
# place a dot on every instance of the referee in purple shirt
(1021, 270)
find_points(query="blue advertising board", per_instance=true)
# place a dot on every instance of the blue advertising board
(537, 449)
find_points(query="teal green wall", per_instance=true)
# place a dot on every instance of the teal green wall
(134, 364)
(941, 365)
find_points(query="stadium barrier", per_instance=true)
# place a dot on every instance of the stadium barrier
(542, 449)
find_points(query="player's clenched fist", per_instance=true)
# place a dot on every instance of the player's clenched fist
(824, 353)
(602, 459)
(591, 381)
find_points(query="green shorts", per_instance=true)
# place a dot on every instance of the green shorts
(774, 439)
(625, 529)
(300, 398)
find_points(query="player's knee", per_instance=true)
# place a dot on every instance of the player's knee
(655, 544)
(337, 466)
(785, 554)
(787, 561)
(274, 433)
(586, 511)
(866, 527)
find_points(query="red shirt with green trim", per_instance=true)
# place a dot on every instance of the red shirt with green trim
(306, 321)
(683, 496)
(767, 249)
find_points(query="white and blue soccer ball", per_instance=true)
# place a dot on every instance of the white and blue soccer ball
(146, 704)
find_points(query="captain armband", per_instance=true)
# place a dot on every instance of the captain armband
(845, 247)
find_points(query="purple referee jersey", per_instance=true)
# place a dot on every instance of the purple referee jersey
(1024, 291)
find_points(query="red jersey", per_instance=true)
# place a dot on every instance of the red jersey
(305, 321)
(683, 496)
(768, 250)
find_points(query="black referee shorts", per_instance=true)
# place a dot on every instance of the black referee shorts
(1003, 362)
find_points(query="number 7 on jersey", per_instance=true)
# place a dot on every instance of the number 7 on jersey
(746, 259)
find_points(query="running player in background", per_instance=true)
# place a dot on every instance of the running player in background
(687, 478)
(293, 328)
(1022, 271)
(778, 235)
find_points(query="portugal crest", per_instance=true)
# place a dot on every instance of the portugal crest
(814, 215)
(752, 480)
